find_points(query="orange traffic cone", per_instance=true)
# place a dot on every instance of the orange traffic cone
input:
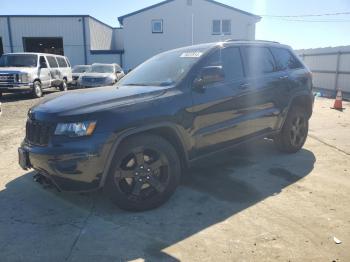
(338, 104)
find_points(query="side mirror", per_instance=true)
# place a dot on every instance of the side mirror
(209, 75)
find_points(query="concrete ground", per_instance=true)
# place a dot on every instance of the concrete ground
(253, 204)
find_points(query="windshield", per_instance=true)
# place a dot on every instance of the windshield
(164, 69)
(80, 69)
(101, 69)
(20, 60)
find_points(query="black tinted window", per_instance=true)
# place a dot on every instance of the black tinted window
(43, 63)
(52, 61)
(230, 59)
(258, 60)
(61, 62)
(285, 59)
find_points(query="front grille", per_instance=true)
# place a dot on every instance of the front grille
(38, 133)
(7, 78)
(93, 80)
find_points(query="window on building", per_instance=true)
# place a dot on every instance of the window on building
(1, 47)
(221, 27)
(52, 61)
(216, 27)
(157, 26)
(61, 62)
(226, 27)
(258, 61)
(285, 59)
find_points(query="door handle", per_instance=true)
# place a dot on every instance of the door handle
(244, 86)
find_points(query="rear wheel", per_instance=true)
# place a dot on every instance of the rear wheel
(37, 90)
(64, 85)
(294, 132)
(145, 173)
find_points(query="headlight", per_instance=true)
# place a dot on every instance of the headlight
(78, 129)
(23, 78)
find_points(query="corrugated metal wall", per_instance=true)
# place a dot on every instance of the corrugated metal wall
(330, 67)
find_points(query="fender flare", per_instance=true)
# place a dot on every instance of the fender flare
(134, 131)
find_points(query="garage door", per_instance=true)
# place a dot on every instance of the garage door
(51, 45)
(1, 47)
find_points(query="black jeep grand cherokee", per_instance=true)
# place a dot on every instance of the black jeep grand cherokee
(133, 139)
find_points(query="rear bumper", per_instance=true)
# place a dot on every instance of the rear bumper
(74, 167)
(15, 87)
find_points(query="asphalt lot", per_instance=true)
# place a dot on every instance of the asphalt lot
(253, 204)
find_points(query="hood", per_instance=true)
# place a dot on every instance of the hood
(97, 75)
(17, 70)
(85, 101)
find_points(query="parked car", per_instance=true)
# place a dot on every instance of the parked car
(171, 111)
(77, 72)
(33, 72)
(101, 75)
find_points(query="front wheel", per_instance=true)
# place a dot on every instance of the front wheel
(145, 173)
(294, 132)
(64, 85)
(37, 90)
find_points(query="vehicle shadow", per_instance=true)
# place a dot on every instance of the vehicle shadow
(87, 227)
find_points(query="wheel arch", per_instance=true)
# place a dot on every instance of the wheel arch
(168, 131)
(304, 101)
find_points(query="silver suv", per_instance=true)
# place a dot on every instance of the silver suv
(33, 72)
(101, 75)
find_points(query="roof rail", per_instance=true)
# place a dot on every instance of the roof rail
(259, 41)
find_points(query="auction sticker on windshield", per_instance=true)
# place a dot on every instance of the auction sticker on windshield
(192, 54)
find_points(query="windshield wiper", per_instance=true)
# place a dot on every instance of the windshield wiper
(136, 84)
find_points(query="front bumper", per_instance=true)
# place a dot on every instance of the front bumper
(15, 87)
(75, 166)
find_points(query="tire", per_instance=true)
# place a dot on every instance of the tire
(37, 89)
(145, 173)
(294, 132)
(64, 86)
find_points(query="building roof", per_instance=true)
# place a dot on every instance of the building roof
(78, 16)
(121, 18)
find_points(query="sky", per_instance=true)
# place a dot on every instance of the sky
(317, 31)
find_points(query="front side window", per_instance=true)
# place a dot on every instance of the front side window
(157, 26)
(285, 59)
(43, 63)
(62, 62)
(52, 61)
(258, 60)
(19, 60)
(230, 60)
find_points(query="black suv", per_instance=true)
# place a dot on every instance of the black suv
(134, 139)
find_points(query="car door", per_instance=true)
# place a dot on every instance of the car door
(44, 72)
(216, 107)
(56, 77)
(264, 87)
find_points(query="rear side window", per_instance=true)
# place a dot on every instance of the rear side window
(258, 60)
(61, 62)
(43, 63)
(230, 59)
(285, 59)
(52, 61)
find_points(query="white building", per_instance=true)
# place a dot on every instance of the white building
(144, 33)
(175, 23)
